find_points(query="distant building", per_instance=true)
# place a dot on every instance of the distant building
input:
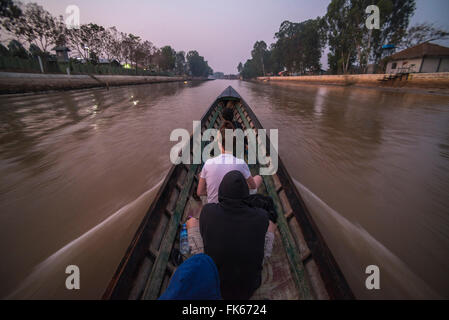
(62, 53)
(425, 57)
(218, 75)
(113, 62)
(231, 77)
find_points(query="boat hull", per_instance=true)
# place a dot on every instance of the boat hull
(301, 266)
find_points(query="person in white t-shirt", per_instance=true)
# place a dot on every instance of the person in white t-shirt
(216, 168)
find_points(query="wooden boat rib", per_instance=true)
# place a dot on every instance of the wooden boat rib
(301, 266)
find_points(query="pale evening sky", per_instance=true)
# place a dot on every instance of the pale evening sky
(223, 32)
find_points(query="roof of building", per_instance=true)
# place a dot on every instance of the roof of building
(421, 50)
(107, 61)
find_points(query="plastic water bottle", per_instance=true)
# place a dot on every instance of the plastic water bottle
(184, 242)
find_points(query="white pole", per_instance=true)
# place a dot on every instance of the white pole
(40, 64)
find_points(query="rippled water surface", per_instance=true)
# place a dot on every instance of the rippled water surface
(78, 170)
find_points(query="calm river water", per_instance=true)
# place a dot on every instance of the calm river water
(78, 170)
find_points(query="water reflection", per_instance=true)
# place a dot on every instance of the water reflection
(374, 157)
(319, 100)
(69, 160)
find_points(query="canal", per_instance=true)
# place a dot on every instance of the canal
(78, 169)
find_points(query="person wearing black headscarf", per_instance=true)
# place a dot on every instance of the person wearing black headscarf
(234, 234)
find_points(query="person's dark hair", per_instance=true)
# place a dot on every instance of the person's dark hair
(228, 114)
(224, 126)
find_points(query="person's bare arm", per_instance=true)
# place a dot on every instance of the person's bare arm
(251, 183)
(201, 190)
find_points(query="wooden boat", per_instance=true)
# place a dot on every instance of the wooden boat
(301, 265)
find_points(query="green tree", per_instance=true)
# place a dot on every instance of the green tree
(133, 49)
(86, 40)
(36, 26)
(147, 49)
(16, 49)
(420, 33)
(394, 20)
(180, 63)
(168, 58)
(240, 67)
(351, 42)
(274, 65)
(249, 70)
(32, 24)
(260, 55)
(35, 51)
(340, 36)
(198, 67)
(113, 45)
(9, 12)
(299, 45)
(3, 51)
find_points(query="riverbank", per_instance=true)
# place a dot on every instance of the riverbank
(438, 82)
(12, 82)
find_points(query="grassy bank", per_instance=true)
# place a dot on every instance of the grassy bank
(32, 82)
(414, 80)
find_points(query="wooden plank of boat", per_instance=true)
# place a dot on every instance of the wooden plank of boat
(160, 265)
(293, 253)
(301, 266)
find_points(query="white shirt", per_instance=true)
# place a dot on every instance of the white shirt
(216, 168)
